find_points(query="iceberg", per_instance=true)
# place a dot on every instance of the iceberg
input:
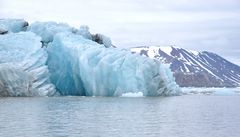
(49, 58)
(79, 66)
(23, 70)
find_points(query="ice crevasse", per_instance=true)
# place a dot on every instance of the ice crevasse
(51, 59)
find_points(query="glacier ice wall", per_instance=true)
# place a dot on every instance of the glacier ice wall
(79, 66)
(23, 70)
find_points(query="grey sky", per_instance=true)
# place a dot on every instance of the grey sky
(212, 25)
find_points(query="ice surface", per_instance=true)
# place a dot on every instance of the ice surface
(22, 66)
(79, 66)
(167, 50)
(12, 25)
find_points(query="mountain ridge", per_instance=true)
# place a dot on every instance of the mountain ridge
(193, 68)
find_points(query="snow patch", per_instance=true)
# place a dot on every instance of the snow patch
(194, 52)
(167, 50)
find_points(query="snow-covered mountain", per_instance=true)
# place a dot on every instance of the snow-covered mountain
(192, 68)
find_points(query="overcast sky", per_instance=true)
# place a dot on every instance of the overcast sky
(212, 25)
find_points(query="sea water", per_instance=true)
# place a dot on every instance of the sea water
(178, 116)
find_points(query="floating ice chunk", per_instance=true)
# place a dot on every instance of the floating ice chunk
(12, 25)
(210, 91)
(79, 66)
(22, 66)
(131, 94)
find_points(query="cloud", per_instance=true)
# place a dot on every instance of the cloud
(212, 25)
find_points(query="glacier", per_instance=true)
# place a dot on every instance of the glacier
(49, 58)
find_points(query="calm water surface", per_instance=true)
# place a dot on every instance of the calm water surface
(181, 116)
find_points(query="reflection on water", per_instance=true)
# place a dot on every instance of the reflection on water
(181, 116)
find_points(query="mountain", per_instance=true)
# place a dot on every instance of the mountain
(195, 69)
